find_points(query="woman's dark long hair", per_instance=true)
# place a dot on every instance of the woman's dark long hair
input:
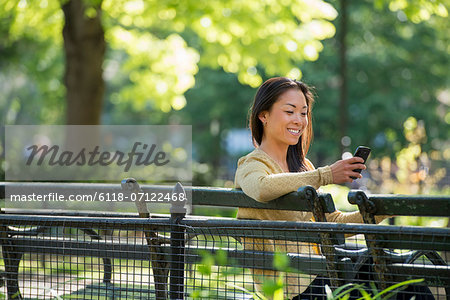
(267, 94)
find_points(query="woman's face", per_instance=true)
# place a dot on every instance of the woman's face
(287, 119)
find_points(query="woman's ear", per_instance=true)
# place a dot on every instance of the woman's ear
(263, 116)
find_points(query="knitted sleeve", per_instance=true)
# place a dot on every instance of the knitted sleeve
(350, 217)
(255, 177)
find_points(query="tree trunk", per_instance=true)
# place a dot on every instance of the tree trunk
(343, 92)
(84, 46)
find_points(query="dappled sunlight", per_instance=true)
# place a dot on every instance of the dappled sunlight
(178, 102)
(161, 70)
(167, 14)
(156, 51)
(268, 32)
(134, 7)
(410, 172)
(308, 10)
(43, 26)
(294, 73)
(311, 52)
(291, 46)
(381, 81)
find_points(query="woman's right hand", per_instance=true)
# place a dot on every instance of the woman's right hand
(343, 169)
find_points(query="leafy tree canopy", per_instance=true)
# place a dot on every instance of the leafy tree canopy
(157, 46)
(416, 10)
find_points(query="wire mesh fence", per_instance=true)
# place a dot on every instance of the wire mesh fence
(48, 257)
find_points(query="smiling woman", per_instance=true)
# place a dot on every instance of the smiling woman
(281, 128)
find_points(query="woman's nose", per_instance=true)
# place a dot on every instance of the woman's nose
(298, 119)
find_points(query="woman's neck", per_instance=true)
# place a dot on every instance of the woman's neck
(277, 152)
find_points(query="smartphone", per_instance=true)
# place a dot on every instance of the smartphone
(362, 152)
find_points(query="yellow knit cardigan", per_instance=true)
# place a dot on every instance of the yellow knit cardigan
(261, 178)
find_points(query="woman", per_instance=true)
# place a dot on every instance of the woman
(281, 127)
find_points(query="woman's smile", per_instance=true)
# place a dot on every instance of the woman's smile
(295, 132)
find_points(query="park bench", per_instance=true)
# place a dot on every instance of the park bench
(168, 238)
(429, 244)
(164, 248)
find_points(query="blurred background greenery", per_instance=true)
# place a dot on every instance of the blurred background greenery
(379, 68)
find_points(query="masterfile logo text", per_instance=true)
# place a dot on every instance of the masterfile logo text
(102, 153)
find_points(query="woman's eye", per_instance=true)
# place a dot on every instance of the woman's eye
(289, 112)
(304, 114)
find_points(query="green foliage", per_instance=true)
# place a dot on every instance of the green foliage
(217, 104)
(207, 262)
(197, 62)
(396, 69)
(31, 67)
(155, 46)
(281, 261)
(410, 172)
(273, 289)
(162, 43)
(416, 10)
(344, 291)
(219, 258)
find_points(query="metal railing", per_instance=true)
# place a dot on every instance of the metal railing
(91, 255)
(87, 257)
